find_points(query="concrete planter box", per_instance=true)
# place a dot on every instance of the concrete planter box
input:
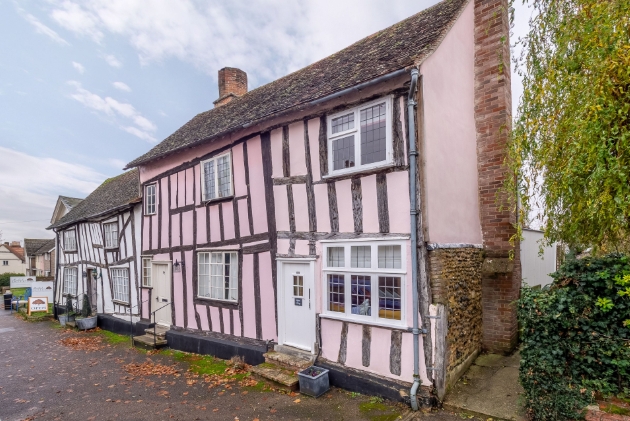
(314, 381)
(64, 318)
(86, 323)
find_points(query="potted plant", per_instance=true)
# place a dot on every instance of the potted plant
(86, 320)
(69, 315)
(314, 381)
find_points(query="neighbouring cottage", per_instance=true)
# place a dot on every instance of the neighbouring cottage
(38, 256)
(285, 216)
(98, 242)
(12, 258)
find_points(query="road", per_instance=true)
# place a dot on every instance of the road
(45, 377)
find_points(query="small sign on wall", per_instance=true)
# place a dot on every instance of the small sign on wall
(37, 304)
(22, 281)
(298, 301)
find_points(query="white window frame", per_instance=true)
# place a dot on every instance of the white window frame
(108, 237)
(233, 280)
(70, 286)
(374, 271)
(118, 292)
(356, 131)
(147, 203)
(147, 281)
(5, 263)
(66, 237)
(216, 177)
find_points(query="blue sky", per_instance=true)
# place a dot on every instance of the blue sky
(87, 86)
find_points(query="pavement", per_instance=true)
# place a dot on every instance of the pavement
(43, 379)
(490, 388)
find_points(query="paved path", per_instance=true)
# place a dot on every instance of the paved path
(41, 379)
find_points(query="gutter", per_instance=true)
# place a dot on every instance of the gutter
(295, 108)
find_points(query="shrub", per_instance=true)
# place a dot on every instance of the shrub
(5, 278)
(576, 337)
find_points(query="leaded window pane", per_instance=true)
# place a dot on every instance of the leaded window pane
(361, 256)
(225, 176)
(343, 123)
(208, 171)
(336, 257)
(373, 134)
(389, 257)
(343, 152)
(361, 294)
(389, 297)
(336, 293)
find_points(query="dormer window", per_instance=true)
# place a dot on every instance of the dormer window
(70, 240)
(360, 138)
(216, 177)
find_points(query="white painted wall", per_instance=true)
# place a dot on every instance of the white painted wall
(536, 268)
(15, 265)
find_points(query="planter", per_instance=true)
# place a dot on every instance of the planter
(314, 381)
(64, 318)
(86, 323)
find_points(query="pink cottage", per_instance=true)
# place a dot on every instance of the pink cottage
(345, 214)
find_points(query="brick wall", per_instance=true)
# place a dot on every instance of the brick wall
(455, 275)
(501, 276)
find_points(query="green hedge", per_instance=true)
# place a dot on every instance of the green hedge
(576, 337)
(5, 278)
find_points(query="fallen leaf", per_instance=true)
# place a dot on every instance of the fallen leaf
(296, 401)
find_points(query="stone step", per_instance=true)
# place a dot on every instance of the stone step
(287, 361)
(277, 375)
(149, 342)
(71, 324)
(160, 331)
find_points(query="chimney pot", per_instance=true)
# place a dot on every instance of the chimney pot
(232, 84)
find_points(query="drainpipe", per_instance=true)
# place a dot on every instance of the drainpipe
(413, 153)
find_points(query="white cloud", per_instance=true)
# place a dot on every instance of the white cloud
(121, 86)
(116, 163)
(266, 38)
(40, 28)
(112, 60)
(115, 111)
(33, 185)
(80, 68)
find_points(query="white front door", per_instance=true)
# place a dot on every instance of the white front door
(298, 306)
(161, 295)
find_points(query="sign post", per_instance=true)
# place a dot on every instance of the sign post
(37, 304)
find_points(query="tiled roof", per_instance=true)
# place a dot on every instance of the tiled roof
(32, 245)
(46, 247)
(70, 202)
(112, 194)
(402, 45)
(16, 250)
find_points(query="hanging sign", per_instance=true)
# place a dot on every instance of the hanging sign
(37, 304)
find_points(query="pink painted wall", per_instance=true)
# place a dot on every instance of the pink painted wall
(313, 137)
(370, 204)
(267, 298)
(283, 246)
(226, 321)
(276, 152)
(301, 247)
(214, 315)
(180, 194)
(202, 233)
(398, 202)
(164, 215)
(187, 232)
(452, 205)
(344, 205)
(228, 220)
(238, 170)
(322, 210)
(188, 265)
(178, 294)
(215, 225)
(203, 316)
(331, 339)
(297, 156)
(249, 317)
(144, 294)
(243, 218)
(237, 323)
(257, 185)
(300, 206)
(281, 202)
(175, 236)
(191, 185)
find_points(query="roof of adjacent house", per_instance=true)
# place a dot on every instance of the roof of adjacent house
(32, 245)
(70, 202)
(18, 251)
(46, 247)
(114, 193)
(404, 44)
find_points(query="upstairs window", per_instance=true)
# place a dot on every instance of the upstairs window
(218, 276)
(216, 177)
(111, 235)
(70, 281)
(149, 199)
(360, 138)
(365, 281)
(70, 240)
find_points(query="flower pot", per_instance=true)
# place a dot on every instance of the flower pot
(86, 323)
(64, 318)
(314, 381)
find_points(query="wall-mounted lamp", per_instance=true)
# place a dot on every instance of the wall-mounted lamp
(178, 266)
(96, 276)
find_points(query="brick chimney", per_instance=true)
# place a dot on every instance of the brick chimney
(15, 243)
(501, 276)
(232, 84)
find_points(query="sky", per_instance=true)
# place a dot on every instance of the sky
(87, 86)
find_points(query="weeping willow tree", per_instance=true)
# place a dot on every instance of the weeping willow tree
(570, 145)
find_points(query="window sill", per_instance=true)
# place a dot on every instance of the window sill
(218, 200)
(122, 303)
(150, 214)
(358, 170)
(215, 302)
(116, 248)
(398, 326)
(146, 287)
